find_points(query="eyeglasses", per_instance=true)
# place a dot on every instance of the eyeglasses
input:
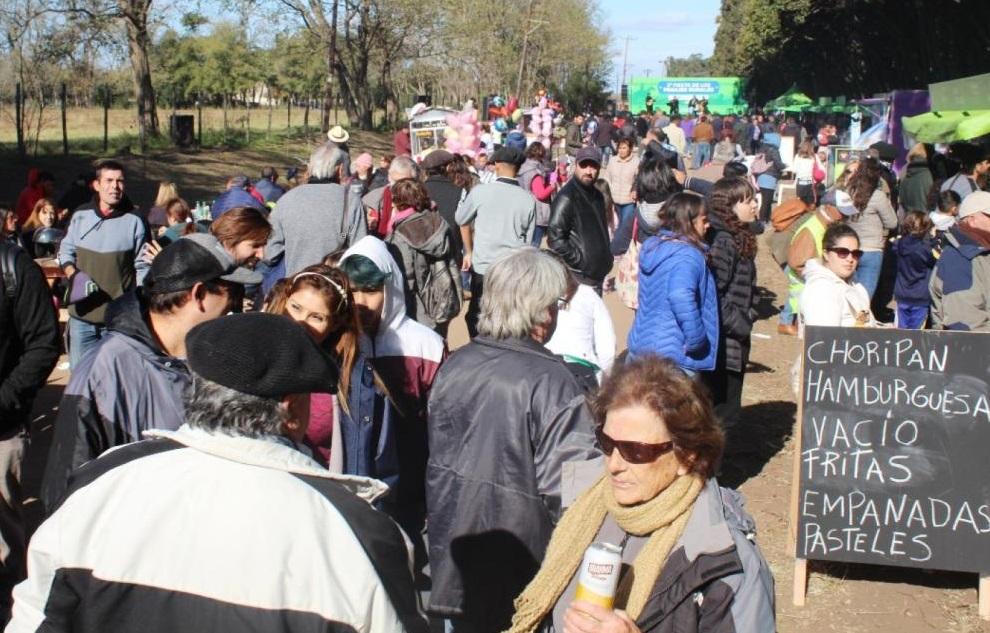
(632, 452)
(563, 303)
(844, 253)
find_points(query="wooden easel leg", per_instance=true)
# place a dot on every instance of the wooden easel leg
(984, 597)
(801, 582)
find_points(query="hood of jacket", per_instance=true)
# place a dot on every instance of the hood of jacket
(267, 452)
(426, 232)
(667, 245)
(126, 206)
(394, 309)
(815, 270)
(32, 176)
(128, 315)
(966, 245)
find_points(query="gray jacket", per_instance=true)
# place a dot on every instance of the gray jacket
(715, 579)
(504, 416)
(124, 386)
(307, 224)
(417, 243)
(960, 285)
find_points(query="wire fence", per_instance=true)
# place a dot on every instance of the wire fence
(33, 127)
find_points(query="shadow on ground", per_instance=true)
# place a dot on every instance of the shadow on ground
(897, 575)
(762, 431)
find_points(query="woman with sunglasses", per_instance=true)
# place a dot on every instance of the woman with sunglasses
(830, 296)
(689, 561)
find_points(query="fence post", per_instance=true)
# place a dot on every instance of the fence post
(288, 113)
(19, 121)
(106, 118)
(199, 117)
(65, 127)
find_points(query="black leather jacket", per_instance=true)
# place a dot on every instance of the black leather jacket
(577, 232)
(497, 449)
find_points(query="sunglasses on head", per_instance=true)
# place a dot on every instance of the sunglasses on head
(632, 452)
(844, 253)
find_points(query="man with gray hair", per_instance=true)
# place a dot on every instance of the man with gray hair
(223, 524)
(505, 414)
(378, 202)
(316, 218)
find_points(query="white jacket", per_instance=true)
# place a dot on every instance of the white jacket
(585, 330)
(828, 300)
(202, 531)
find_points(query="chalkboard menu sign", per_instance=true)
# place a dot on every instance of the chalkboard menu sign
(894, 463)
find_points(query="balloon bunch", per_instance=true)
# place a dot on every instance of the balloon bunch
(504, 115)
(541, 121)
(462, 134)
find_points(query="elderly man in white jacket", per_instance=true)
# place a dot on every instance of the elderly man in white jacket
(223, 525)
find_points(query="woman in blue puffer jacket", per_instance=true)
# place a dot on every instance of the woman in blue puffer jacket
(678, 306)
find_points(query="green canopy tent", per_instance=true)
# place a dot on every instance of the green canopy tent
(948, 126)
(791, 101)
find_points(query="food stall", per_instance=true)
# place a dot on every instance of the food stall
(426, 129)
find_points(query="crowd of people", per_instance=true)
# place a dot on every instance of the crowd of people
(264, 428)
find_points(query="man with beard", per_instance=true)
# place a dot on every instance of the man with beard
(578, 230)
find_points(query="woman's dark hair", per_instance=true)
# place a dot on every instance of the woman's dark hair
(459, 174)
(916, 223)
(602, 185)
(735, 168)
(177, 208)
(363, 273)
(239, 224)
(948, 200)
(836, 232)
(655, 181)
(627, 140)
(410, 192)
(678, 215)
(864, 182)
(536, 151)
(726, 193)
(680, 403)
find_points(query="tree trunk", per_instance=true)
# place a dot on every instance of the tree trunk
(135, 14)
(331, 65)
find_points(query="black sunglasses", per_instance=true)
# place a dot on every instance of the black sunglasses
(844, 253)
(632, 452)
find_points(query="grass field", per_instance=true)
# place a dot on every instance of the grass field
(85, 126)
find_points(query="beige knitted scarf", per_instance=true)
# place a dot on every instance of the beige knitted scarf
(663, 518)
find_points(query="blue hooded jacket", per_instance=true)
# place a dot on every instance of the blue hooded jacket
(678, 306)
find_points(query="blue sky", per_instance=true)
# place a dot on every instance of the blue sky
(659, 28)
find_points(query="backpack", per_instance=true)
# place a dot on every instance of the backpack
(780, 240)
(434, 280)
(760, 164)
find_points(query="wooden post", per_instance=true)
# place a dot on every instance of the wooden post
(106, 118)
(309, 101)
(288, 112)
(199, 119)
(984, 598)
(65, 128)
(800, 564)
(19, 121)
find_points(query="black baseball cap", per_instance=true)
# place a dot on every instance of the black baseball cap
(588, 154)
(196, 258)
